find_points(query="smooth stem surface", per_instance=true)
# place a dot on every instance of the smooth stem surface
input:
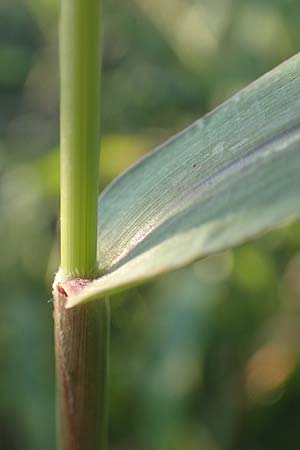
(81, 334)
(80, 49)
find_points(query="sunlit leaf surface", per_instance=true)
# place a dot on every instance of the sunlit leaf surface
(232, 175)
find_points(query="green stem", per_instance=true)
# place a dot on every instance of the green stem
(82, 333)
(80, 50)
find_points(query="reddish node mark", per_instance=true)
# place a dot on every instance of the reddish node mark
(61, 290)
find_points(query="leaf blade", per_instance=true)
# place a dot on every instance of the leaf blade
(230, 176)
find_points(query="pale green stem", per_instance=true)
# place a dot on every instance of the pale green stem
(80, 49)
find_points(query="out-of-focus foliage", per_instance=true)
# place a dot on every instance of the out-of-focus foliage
(207, 357)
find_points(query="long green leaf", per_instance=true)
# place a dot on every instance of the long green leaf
(232, 175)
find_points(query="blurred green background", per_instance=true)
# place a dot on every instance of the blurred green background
(203, 359)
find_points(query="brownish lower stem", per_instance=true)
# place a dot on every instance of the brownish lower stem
(81, 350)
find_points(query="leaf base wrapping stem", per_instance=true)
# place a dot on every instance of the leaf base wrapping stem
(81, 351)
